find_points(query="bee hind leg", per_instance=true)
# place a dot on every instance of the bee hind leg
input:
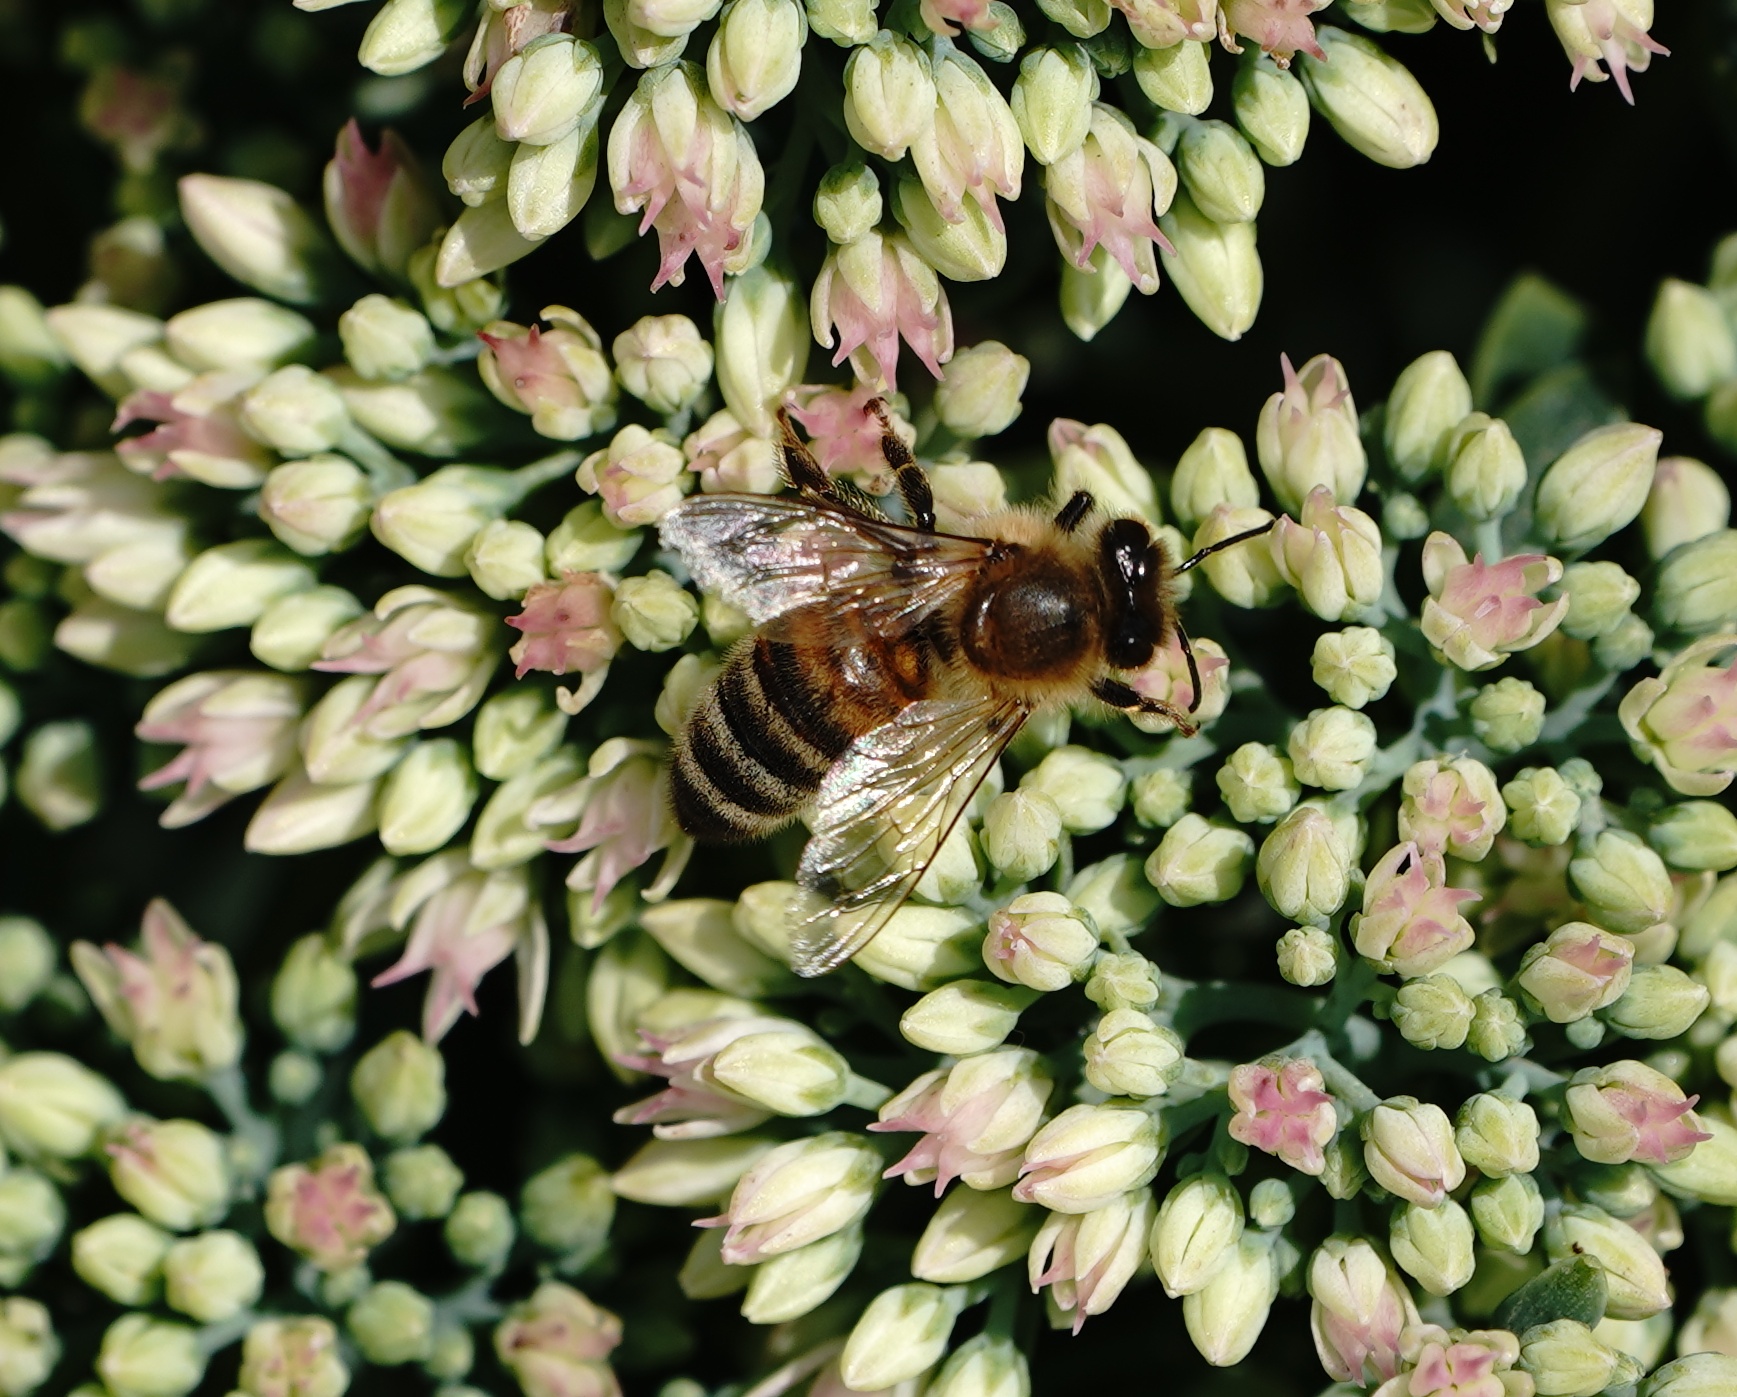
(1118, 695)
(912, 480)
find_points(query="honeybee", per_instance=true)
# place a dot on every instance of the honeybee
(892, 665)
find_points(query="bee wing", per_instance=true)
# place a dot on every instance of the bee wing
(771, 555)
(882, 814)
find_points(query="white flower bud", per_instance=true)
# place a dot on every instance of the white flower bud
(1087, 787)
(174, 1172)
(971, 1233)
(121, 1256)
(1257, 784)
(1485, 471)
(1220, 171)
(295, 411)
(1129, 1055)
(1688, 500)
(1215, 268)
(1434, 1246)
(663, 361)
(318, 505)
(791, 1284)
(1332, 748)
(587, 541)
(1430, 399)
(1199, 862)
(1177, 78)
(972, 249)
(1091, 295)
(142, 1356)
(547, 90)
(59, 778)
(426, 798)
(978, 395)
(761, 333)
(1038, 941)
(259, 234)
(1213, 471)
(1226, 1315)
(53, 1106)
(1022, 833)
(848, 203)
(405, 35)
(291, 633)
(654, 612)
(1373, 101)
(889, 95)
(1689, 342)
(1272, 109)
(1307, 956)
(1052, 101)
(212, 1277)
(1598, 485)
(756, 55)
(385, 339)
(903, 1332)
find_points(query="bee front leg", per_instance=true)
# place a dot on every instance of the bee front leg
(1118, 695)
(910, 477)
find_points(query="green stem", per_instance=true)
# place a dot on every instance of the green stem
(1488, 540)
(257, 1136)
(867, 1095)
(550, 468)
(385, 471)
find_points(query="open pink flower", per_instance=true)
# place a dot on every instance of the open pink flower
(1451, 807)
(1109, 193)
(1684, 721)
(378, 202)
(329, 1210)
(872, 291)
(1281, 1108)
(695, 1106)
(950, 16)
(565, 626)
(1087, 1258)
(1279, 28)
(1611, 32)
(1167, 679)
(976, 1118)
(729, 459)
(1628, 1111)
(238, 733)
(1361, 1309)
(559, 376)
(1578, 969)
(556, 1344)
(844, 434)
(198, 433)
(626, 819)
(1458, 1364)
(1411, 923)
(1479, 613)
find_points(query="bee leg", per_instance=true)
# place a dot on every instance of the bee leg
(910, 477)
(1079, 505)
(1193, 668)
(800, 467)
(1118, 695)
(1225, 543)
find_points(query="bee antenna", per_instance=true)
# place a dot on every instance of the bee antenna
(1225, 543)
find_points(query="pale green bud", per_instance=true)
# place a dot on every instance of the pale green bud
(405, 35)
(1052, 101)
(434, 523)
(663, 361)
(293, 1078)
(978, 395)
(1087, 787)
(505, 559)
(1403, 517)
(291, 633)
(1497, 1135)
(1122, 980)
(547, 186)
(175, 1172)
(244, 332)
(1270, 1204)
(762, 338)
(400, 1084)
(32, 1217)
(146, 1357)
(1598, 485)
(1304, 866)
(1434, 1246)
(1372, 100)
(27, 962)
(1430, 399)
(303, 1350)
(889, 95)
(234, 584)
(547, 90)
(30, 355)
(789, 1285)
(848, 203)
(903, 1331)
(212, 1277)
(1599, 597)
(1688, 500)
(436, 412)
(1624, 884)
(756, 55)
(1485, 472)
(316, 506)
(1022, 833)
(1432, 1012)
(1660, 1002)
(1712, 1328)
(964, 1017)
(51, 1105)
(1220, 171)
(1115, 894)
(788, 1070)
(1196, 1233)
(972, 1233)
(392, 1323)
(1272, 109)
(1091, 296)
(1212, 471)
(313, 996)
(1129, 1055)
(1242, 576)
(984, 1366)
(1308, 956)
(1508, 1212)
(385, 339)
(476, 163)
(1508, 715)
(1081, 18)
(1696, 835)
(295, 411)
(1199, 862)
(1689, 342)
(1543, 808)
(1697, 1375)
(426, 797)
(103, 340)
(422, 1181)
(1226, 1315)
(1633, 1271)
(514, 730)
(100, 633)
(1408, 1148)
(568, 1208)
(1177, 78)
(586, 541)
(479, 1230)
(1215, 268)
(1709, 1171)
(654, 612)
(259, 234)
(1332, 748)
(1355, 666)
(699, 932)
(1697, 584)
(973, 249)
(121, 1255)
(1160, 798)
(58, 779)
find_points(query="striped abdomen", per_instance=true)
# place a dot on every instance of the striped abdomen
(760, 740)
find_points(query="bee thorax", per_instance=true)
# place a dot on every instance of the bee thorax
(1034, 624)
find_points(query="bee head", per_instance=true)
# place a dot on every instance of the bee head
(1132, 567)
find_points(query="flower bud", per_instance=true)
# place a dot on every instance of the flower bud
(174, 1172)
(1660, 1002)
(1497, 1135)
(1432, 1012)
(903, 1331)
(1091, 295)
(1303, 867)
(762, 345)
(1177, 78)
(52, 1106)
(295, 411)
(972, 1233)
(1599, 597)
(121, 1256)
(1696, 835)
(654, 612)
(972, 249)
(1196, 1233)
(57, 778)
(985, 1366)
(400, 1084)
(1022, 833)
(889, 95)
(1038, 941)
(391, 1323)
(1688, 500)
(1598, 485)
(1087, 787)
(313, 997)
(547, 90)
(1220, 171)
(1355, 666)
(1331, 748)
(259, 234)
(791, 1284)
(662, 361)
(756, 55)
(1272, 109)
(964, 1017)
(1689, 343)
(1485, 470)
(318, 505)
(244, 332)
(1633, 1271)
(1430, 399)
(1212, 471)
(1360, 1310)
(292, 632)
(1579, 968)
(922, 947)
(1215, 268)
(1508, 715)
(32, 1217)
(212, 1277)
(234, 584)
(1129, 1055)
(1257, 784)
(146, 1357)
(1434, 1245)
(1373, 101)
(1308, 435)
(1627, 1111)
(1543, 809)
(796, 1194)
(422, 1181)
(1052, 101)
(514, 730)
(1408, 1147)
(1508, 1212)
(1087, 1156)
(1242, 576)
(1452, 807)
(1332, 557)
(1497, 1030)
(27, 962)
(329, 1210)
(1624, 883)
(1199, 862)
(1567, 1360)
(385, 340)
(1160, 798)
(979, 393)
(1307, 956)
(1087, 1258)
(479, 1231)
(1226, 1316)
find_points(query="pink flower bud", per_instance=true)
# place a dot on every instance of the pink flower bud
(1361, 1307)
(1578, 969)
(1627, 1110)
(1451, 808)
(976, 1118)
(1087, 1258)
(378, 201)
(872, 291)
(1280, 28)
(1167, 679)
(730, 459)
(1281, 1108)
(1332, 558)
(1109, 193)
(1088, 1156)
(1408, 1146)
(237, 732)
(566, 627)
(329, 1210)
(844, 435)
(1307, 435)
(1160, 24)
(1460, 1364)
(1685, 721)
(1607, 31)
(677, 157)
(626, 820)
(1411, 923)
(559, 376)
(1477, 613)
(797, 1194)
(640, 477)
(949, 16)
(973, 146)
(556, 1343)
(198, 433)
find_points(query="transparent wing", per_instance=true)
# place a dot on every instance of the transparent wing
(770, 555)
(883, 812)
